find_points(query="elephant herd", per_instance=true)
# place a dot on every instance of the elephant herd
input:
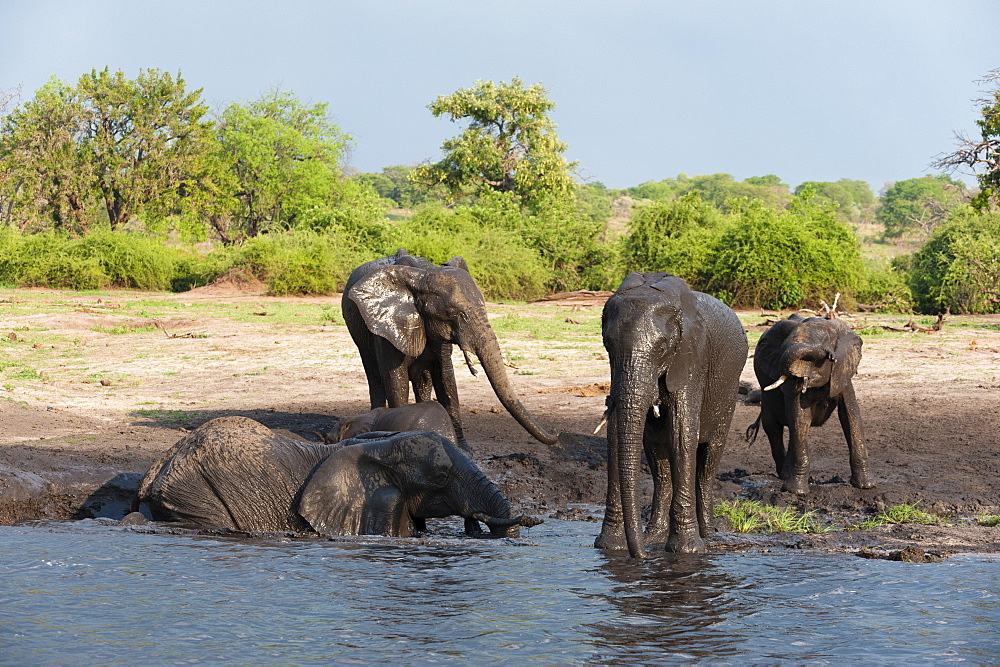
(675, 358)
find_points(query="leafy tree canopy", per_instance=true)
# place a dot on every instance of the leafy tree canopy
(919, 204)
(716, 189)
(509, 146)
(125, 146)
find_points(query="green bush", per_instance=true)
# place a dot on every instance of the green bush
(300, 262)
(959, 266)
(503, 266)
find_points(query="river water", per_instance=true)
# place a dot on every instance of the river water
(85, 592)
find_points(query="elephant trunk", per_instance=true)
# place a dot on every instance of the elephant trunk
(483, 501)
(490, 357)
(800, 361)
(633, 393)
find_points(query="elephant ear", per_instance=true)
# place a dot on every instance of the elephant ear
(387, 304)
(848, 357)
(689, 329)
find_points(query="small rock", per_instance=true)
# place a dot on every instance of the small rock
(105, 382)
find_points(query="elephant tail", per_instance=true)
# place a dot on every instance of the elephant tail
(751, 434)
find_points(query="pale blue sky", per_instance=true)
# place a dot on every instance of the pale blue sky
(805, 89)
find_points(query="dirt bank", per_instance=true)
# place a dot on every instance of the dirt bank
(97, 386)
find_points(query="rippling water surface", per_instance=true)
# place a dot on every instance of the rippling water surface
(85, 592)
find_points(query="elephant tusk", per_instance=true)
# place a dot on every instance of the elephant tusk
(656, 410)
(601, 425)
(493, 522)
(777, 384)
(468, 362)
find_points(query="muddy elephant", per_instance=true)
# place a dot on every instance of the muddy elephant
(676, 357)
(235, 474)
(806, 368)
(405, 314)
(422, 416)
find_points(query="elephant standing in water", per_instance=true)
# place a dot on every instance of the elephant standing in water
(806, 368)
(404, 314)
(676, 357)
(235, 474)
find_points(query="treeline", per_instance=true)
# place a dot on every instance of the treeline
(130, 183)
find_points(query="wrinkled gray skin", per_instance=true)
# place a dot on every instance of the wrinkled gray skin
(422, 416)
(680, 352)
(818, 359)
(404, 314)
(235, 474)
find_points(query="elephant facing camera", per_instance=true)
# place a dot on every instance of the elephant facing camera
(806, 367)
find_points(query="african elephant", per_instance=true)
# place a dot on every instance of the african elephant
(806, 366)
(235, 474)
(422, 416)
(404, 314)
(676, 357)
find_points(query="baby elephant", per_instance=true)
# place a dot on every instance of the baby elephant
(235, 474)
(422, 416)
(805, 367)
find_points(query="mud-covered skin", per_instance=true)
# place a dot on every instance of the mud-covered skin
(676, 357)
(405, 314)
(421, 416)
(806, 367)
(235, 474)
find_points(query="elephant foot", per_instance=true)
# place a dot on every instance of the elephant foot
(688, 542)
(862, 481)
(656, 534)
(797, 485)
(611, 539)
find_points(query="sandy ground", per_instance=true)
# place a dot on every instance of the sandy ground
(89, 408)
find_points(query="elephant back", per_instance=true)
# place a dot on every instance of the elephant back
(232, 473)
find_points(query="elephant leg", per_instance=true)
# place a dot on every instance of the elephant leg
(376, 387)
(395, 374)
(446, 389)
(775, 433)
(795, 472)
(709, 457)
(612, 536)
(682, 442)
(850, 420)
(654, 441)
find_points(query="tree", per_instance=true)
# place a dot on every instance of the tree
(285, 159)
(509, 146)
(959, 266)
(918, 204)
(144, 139)
(139, 147)
(47, 180)
(980, 157)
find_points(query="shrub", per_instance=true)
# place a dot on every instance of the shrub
(959, 266)
(300, 262)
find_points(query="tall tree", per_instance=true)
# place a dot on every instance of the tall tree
(509, 146)
(285, 157)
(981, 157)
(136, 146)
(47, 182)
(145, 139)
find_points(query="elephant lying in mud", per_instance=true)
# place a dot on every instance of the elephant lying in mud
(422, 416)
(806, 368)
(235, 474)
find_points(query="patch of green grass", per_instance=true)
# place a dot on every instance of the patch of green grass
(897, 514)
(752, 516)
(988, 520)
(163, 416)
(26, 374)
(123, 329)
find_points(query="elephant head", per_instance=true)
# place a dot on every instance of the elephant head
(388, 484)
(421, 309)
(817, 353)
